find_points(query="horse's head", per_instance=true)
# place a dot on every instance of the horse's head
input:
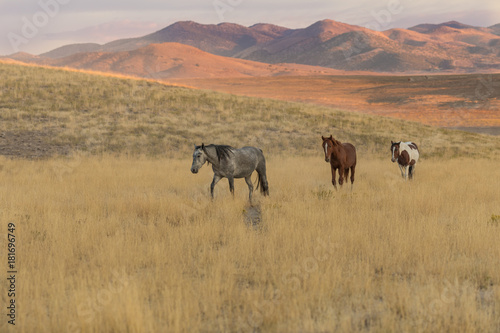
(395, 151)
(199, 158)
(328, 147)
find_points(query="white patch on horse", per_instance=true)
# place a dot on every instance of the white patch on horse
(326, 149)
(413, 153)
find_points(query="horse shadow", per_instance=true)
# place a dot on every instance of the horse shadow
(252, 215)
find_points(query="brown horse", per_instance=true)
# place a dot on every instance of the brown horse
(341, 156)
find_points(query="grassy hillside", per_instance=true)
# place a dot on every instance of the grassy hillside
(46, 112)
(468, 100)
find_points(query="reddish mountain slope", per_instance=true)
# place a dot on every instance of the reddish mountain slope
(450, 46)
(224, 39)
(174, 60)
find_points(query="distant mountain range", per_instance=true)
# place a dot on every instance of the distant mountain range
(189, 49)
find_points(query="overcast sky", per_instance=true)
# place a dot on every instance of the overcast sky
(37, 26)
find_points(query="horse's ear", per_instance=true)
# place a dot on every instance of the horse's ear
(392, 142)
(323, 138)
(331, 137)
(202, 146)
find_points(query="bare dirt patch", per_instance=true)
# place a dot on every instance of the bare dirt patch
(30, 144)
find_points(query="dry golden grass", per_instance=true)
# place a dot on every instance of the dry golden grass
(117, 244)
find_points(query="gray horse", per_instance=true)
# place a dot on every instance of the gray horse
(232, 163)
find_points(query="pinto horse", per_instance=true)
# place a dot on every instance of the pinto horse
(341, 156)
(406, 153)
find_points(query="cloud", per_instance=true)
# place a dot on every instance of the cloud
(106, 32)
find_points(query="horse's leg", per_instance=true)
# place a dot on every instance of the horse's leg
(412, 171)
(333, 178)
(231, 184)
(250, 187)
(215, 181)
(401, 169)
(353, 168)
(346, 174)
(341, 176)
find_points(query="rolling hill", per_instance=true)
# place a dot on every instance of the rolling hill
(468, 101)
(226, 39)
(174, 60)
(47, 112)
(450, 46)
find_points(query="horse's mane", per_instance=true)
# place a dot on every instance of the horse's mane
(410, 144)
(334, 141)
(222, 151)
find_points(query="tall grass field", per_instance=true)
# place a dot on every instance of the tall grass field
(113, 233)
(135, 245)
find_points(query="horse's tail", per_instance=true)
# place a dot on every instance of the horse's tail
(262, 178)
(262, 182)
